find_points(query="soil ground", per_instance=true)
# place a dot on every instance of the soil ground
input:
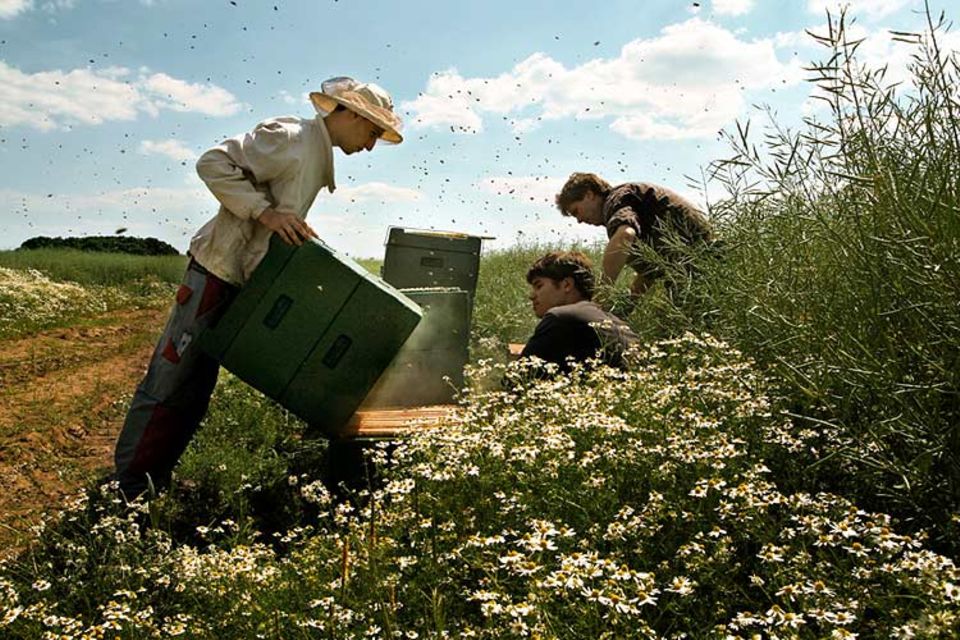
(63, 394)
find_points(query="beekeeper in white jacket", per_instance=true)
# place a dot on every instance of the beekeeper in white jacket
(265, 182)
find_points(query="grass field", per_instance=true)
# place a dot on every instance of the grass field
(782, 462)
(46, 288)
(102, 269)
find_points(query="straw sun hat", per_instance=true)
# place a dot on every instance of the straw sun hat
(366, 99)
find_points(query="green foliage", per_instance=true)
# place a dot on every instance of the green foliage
(372, 265)
(248, 478)
(840, 274)
(104, 244)
(619, 505)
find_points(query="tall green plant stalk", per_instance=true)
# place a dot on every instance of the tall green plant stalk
(842, 270)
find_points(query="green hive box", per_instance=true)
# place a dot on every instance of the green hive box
(313, 330)
(417, 258)
(436, 349)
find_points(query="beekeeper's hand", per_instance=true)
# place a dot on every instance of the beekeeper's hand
(288, 226)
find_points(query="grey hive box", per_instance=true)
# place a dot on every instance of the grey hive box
(416, 258)
(313, 330)
(436, 349)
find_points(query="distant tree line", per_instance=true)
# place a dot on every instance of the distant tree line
(107, 244)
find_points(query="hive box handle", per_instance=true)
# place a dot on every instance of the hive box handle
(337, 350)
(429, 261)
(279, 309)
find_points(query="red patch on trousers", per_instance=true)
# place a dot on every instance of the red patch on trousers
(183, 294)
(214, 293)
(158, 445)
(170, 352)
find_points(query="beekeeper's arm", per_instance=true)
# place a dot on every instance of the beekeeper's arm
(239, 170)
(617, 251)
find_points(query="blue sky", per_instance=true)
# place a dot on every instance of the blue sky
(106, 104)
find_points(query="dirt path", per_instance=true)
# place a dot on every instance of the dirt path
(63, 393)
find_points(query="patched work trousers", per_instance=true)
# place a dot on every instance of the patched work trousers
(172, 398)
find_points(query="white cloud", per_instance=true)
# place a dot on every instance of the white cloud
(871, 9)
(179, 95)
(376, 191)
(48, 99)
(12, 8)
(687, 82)
(643, 126)
(732, 7)
(878, 49)
(439, 106)
(55, 99)
(528, 189)
(158, 200)
(169, 199)
(52, 6)
(288, 98)
(173, 149)
(793, 39)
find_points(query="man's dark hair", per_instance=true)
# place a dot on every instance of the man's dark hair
(558, 265)
(577, 186)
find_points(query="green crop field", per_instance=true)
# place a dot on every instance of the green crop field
(782, 461)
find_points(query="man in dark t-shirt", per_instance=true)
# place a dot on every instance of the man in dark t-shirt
(635, 212)
(572, 327)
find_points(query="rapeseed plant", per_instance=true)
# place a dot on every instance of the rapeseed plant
(839, 272)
